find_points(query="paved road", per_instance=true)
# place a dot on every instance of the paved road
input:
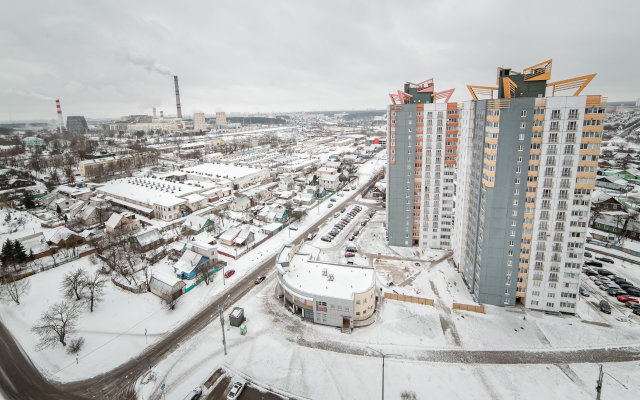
(20, 379)
(604, 253)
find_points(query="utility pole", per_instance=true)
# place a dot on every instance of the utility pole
(224, 342)
(599, 384)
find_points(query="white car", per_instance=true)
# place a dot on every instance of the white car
(235, 391)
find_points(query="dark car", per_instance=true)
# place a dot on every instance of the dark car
(605, 259)
(605, 307)
(343, 210)
(634, 291)
(326, 238)
(593, 263)
(229, 273)
(587, 254)
(632, 305)
(636, 311)
(589, 272)
(352, 237)
(333, 200)
(351, 249)
(259, 279)
(584, 292)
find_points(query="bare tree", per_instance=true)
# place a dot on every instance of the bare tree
(203, 271)
(56, 323)
(95, 287)
(13, 289)
(74, 282)
(596, 211)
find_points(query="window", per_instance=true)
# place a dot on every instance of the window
(523, 113)
(521, 136)
(523, 125)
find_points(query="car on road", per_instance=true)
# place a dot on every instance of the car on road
(293, 227)
(259, 279)
(229, 273)
(194, 394)
(605, 259)
(235, 391)
(417, 264)
(343, 210)
(346, 189)
(326, 238)
(587, 254)
(311, 235)
(333, 200)
(352, 237)
(593, 263)
(623, 298)
(605, 307)
(329, 205)
(363, 223)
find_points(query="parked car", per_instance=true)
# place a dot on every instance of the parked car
(605, 272)
(330, 205)
(326, 238)
(605, 259)
(589, 272)
(349, 255)
(634, 291)
(336, 215)
(584, 292)
(351, 249)
(587, 254)
(194, 394)
(632, 305)
(605, 307)
(259, 279)
(293, 227)
(593, 263)
(311, 235)
(352, 237)
(636, 311)
(333, 200)
(229, 273)
(343, 210)
(235, 391)
(623, 298)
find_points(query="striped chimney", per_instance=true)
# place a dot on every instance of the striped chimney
(161, 114)
(60, 120)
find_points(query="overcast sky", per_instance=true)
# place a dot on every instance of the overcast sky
(113, 58)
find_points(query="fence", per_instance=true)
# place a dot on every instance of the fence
(140, 289)
(409, 299)
(469, 307)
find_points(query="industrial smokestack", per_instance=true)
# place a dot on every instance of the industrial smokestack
(60, 120)
(161, 114)
(175, 80)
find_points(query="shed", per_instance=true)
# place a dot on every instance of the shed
(166, 286)
(236, 318)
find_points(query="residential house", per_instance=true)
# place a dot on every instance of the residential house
(118, 223)
(330, 182)
(244, 237)
(612, 182)
(148, 239)
(240, 203)
(187, 266)
(63, 238)
(286, 183)
(227, 237)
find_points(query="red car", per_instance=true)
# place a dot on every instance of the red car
(623, 298)
(229, 273)
(349, 255)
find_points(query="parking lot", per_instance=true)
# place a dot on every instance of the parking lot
(603, 279)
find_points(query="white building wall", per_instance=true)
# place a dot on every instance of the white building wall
(467, 120)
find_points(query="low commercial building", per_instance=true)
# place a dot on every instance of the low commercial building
(325, 293)
(101, 166)
(237, 176)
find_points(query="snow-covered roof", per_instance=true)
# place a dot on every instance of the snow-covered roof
(188, 261)
(230, 234)
(113, 220)
(147, 237)
(59, 234)
(152, 191)
(194, 198)
(242, 236)
(164, 277)
(194, 222)
(86, 212)
(313, 277)
(222, 170)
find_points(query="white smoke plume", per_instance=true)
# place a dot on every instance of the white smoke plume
(149, 64)
(28, 93)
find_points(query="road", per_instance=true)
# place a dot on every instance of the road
(20, 379)
(604, 253)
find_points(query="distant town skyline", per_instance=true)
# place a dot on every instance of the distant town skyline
(117, 58)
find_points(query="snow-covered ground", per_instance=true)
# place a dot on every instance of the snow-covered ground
(319, 362)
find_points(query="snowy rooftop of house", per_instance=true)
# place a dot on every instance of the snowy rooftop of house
(58, 234)
(113, 220)
(194, 198)
(322, 278)
(149, 236)
(221, 170)
(152, 190)
(230, 233)
(188, 261)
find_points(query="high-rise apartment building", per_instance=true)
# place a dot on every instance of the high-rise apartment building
(422, 140)
(199, 122)
(221, 118)
(527, 166)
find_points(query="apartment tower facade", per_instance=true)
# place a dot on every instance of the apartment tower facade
(524, 181)
(422, 147)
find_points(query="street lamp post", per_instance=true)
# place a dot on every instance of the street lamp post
(383, 355)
